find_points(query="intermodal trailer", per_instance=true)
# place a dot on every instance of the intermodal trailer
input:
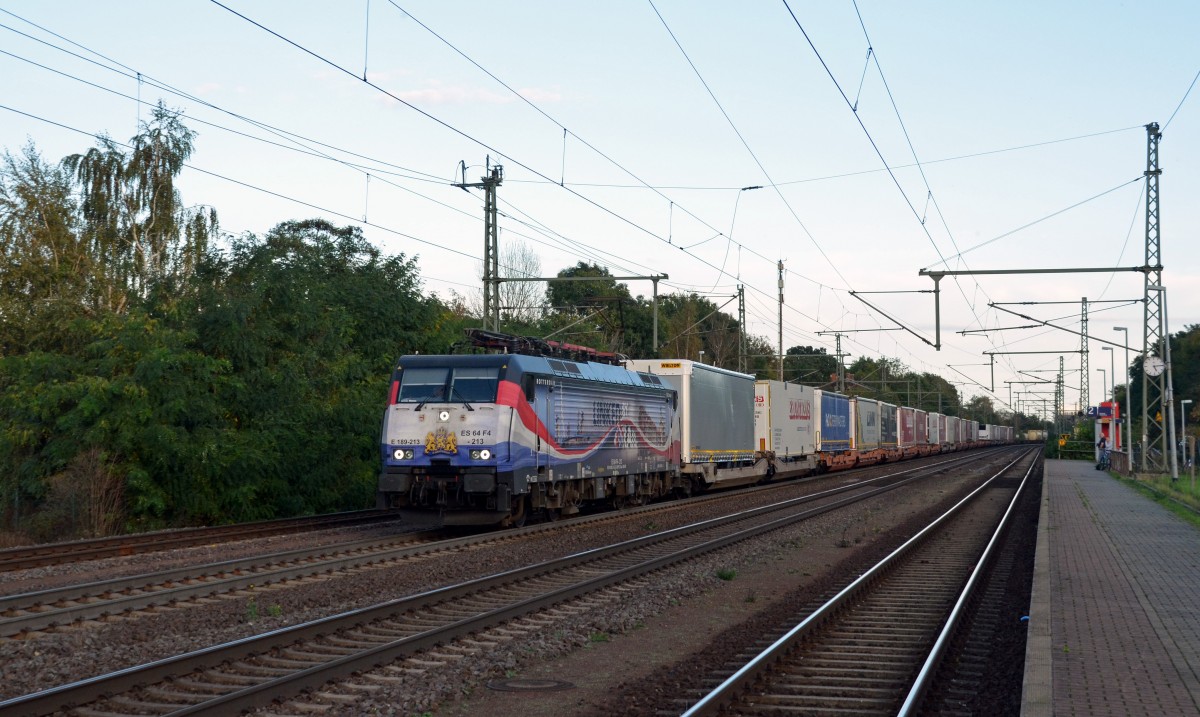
(867, 430)
(716, 414)
(834, 429)
(943, 437)
(907, 431)
(921, 429)
(783, 423)
(889, 438)
(954, 428)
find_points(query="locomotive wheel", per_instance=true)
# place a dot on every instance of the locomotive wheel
(517, 513)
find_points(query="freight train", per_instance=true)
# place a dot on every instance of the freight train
(543, 429)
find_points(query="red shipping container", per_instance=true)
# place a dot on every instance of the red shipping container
(908, 431)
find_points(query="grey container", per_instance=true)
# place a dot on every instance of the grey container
(716, 409)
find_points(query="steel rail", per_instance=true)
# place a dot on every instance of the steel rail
(90, 690)
(34, 611)
(33, 556)
(728, 691)
(925, 676)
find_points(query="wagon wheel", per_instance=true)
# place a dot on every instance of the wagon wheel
(517, 513)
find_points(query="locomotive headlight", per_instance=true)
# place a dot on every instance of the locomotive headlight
(444, 416)
(402, 454)
(485, 454)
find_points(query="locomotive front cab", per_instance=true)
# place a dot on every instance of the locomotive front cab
(444, 435)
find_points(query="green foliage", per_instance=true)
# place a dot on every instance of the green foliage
(149, 380)
(311, 318)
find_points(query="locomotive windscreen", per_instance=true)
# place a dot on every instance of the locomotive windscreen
(475, 384)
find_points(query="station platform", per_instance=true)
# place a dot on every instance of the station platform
(1114, 623)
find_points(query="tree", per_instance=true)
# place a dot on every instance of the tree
(520, 301)
(311, 318)
(980, 409)
(134, 224)
(43, 266)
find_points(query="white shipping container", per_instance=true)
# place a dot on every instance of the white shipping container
(783, 418)
(716, 409)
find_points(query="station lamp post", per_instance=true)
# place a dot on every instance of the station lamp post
(1112, 365)
(1183, 402)
(1128, 400)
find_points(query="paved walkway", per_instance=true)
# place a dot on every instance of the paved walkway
(1115, 614)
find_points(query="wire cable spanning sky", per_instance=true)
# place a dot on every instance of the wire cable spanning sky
(632, 133)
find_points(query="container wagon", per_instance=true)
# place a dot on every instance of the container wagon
(834, 430)
(867, 441)
(716, 415)
(784, 424)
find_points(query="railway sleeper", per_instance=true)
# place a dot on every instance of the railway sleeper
(177, 695)
(337, 698)
(217, 679)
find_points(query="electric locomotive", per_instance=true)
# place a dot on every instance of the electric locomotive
(491, 438)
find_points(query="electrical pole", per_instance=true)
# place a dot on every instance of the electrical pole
(1085, 396)
(491, 251)
(781, 319)
(1059, 399)
(741, 328)
(1153, 332)
(841, 366)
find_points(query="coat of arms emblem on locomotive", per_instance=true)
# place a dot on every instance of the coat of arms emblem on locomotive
(441, 441)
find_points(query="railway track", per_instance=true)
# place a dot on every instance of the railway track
(36, 556)
(874, 647)
(466, 617)
(25, 615)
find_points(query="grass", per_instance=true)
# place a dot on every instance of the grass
(727, 574)
(1181, 497)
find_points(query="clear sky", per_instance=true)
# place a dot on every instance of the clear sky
(994, 135)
